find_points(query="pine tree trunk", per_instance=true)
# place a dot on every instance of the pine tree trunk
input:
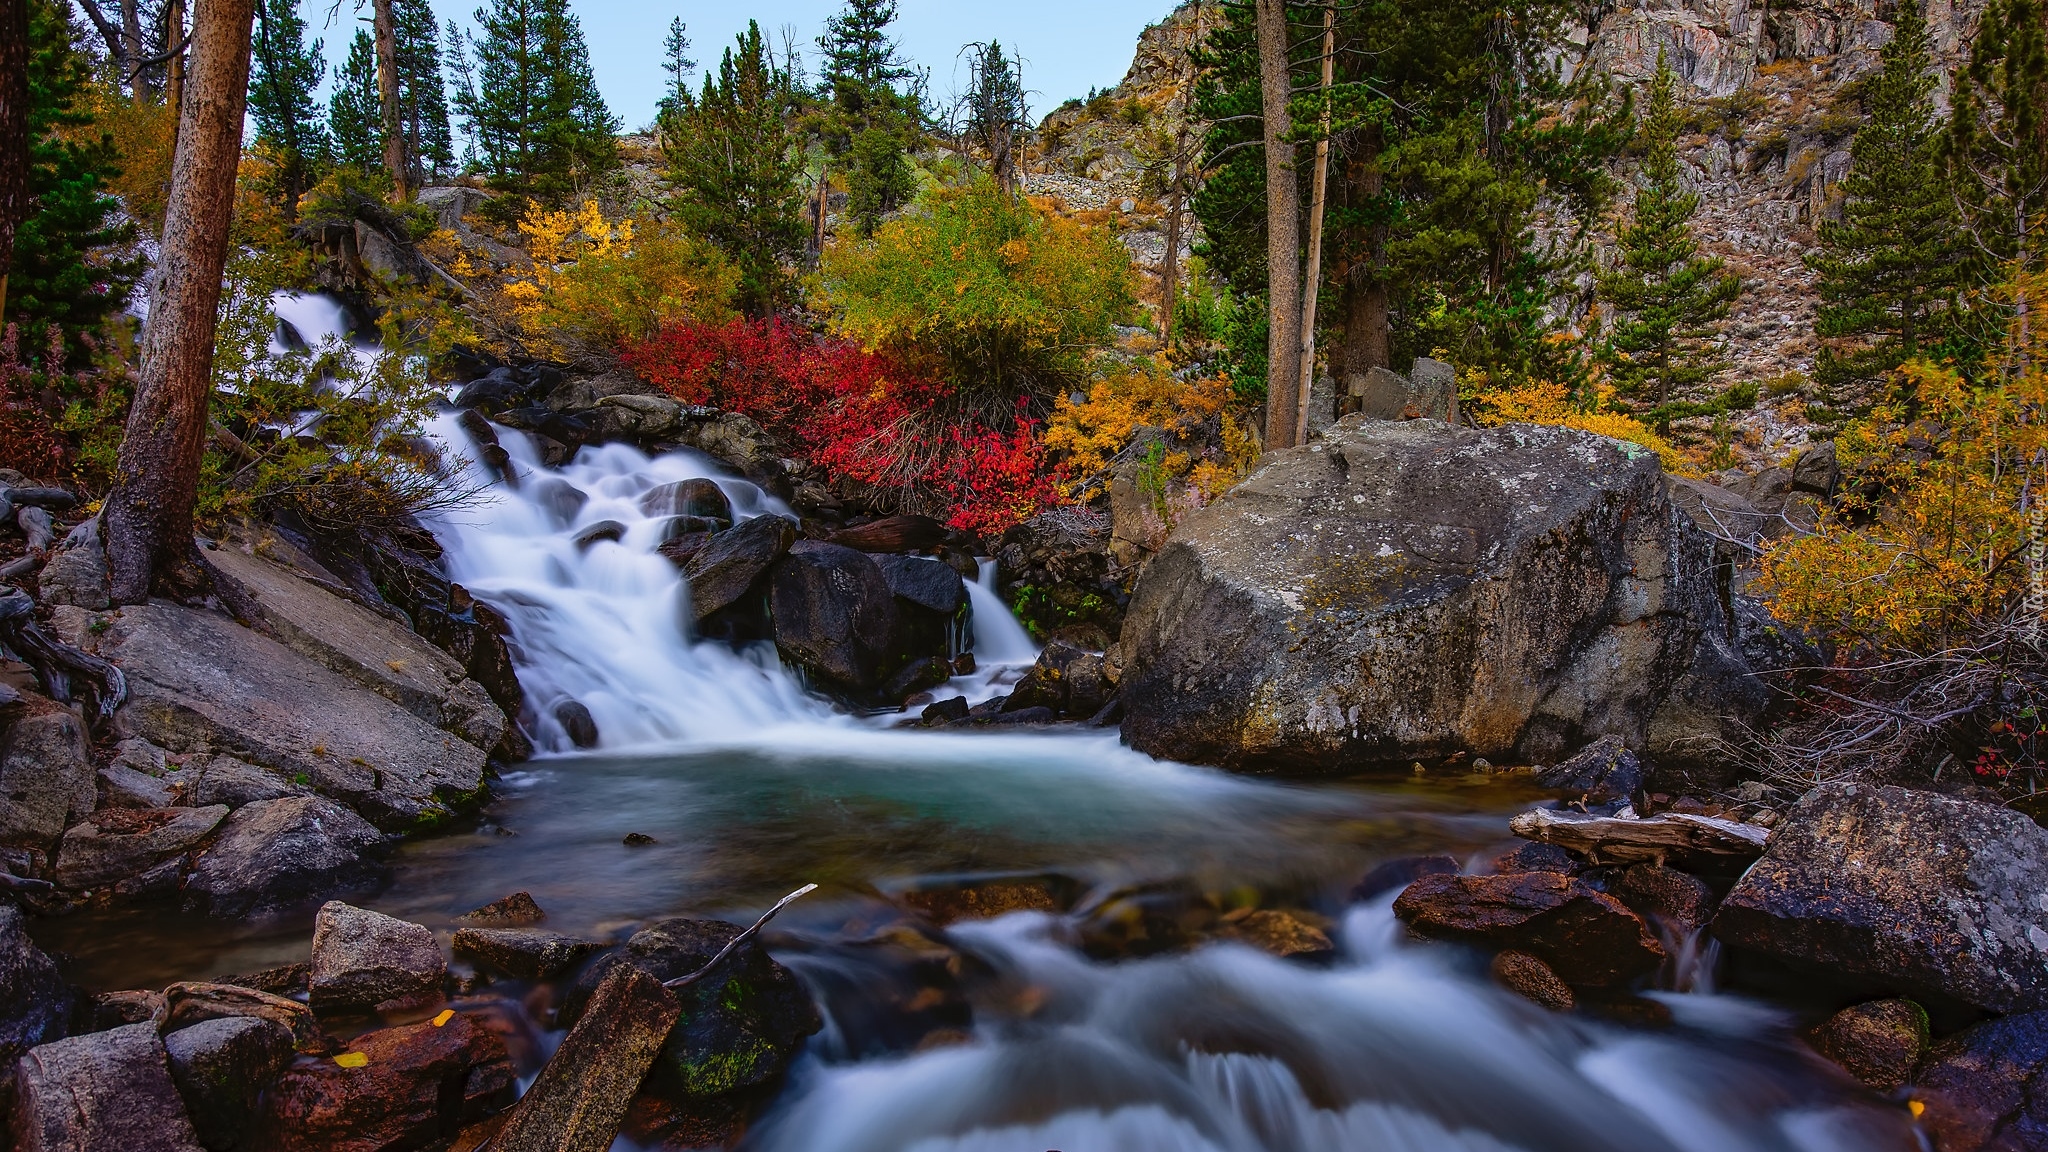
(148, 515)
(1283, 228)
(1317, 199)
(387, 97)
(1368, 324)
(131, 47)
(13, 132)
(174, 31)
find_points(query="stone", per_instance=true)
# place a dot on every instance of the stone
(725, 567)
(527, 953)
(1065, 559)
(283, 980)
(985, 901)
(893, 534)
(102, 1092)
(514, 911)
(236, 783)
(1604, 772)
(1920, 892)
(47, 782)
(741, 1026)
(371, 649)
(1680, 902)
(35, 1003)
(1981, 1089)
(130, 1006)
(1383, 394)
(199, 681)
(1052, 681)
(927, 584)
(405, 1087)
(362, 959)
(917, 676)
(696, 497)
(949, 711)
(1587, 937)
(598, 533)
(1279, 933)
(1536, 858)
(124, 787)
(275, 855)
(579, 1100)
(1530, 978)
(76, 573)
(221, 1067)
(1399, 873)
(575, 718)
(1411, 590)
(117, 843)
(1879, 1043)
(834, 614)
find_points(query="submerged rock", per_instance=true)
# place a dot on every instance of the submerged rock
(1587, 937)
(102, 1092)
(362, 959)
(1879, 1043)
(1277, 932)
(275, 855)
(1923, 892)
(1395, 591)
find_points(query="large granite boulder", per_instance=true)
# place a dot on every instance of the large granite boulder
(273, 856)
(201, 682)
(102, 1092)
(46, 780)
(834, 614)
(1403, 590)
(1920, 892)
(35, 1003)
(727, 564)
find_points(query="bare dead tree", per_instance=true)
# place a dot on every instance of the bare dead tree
(148, 515)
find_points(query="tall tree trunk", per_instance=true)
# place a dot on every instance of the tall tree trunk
(174, 31)
(1368, 327)
(387, 97)
(148, 515)
(1283, 228)
(1315, 230)
(1176, 204)
(131, 47)
(13, 133)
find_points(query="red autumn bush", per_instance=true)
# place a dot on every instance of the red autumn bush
(858, 414)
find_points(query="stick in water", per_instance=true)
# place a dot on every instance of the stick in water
(742, 938)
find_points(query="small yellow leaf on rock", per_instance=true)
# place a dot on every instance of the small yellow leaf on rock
(1916, 1108)
(446, 1015)
(352, 1059)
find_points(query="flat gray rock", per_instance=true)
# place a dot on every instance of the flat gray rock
(275, 855)
(117, 843)
(103, 1092)
(46, 781)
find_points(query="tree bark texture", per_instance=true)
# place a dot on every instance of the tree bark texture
(148, 516)
(174, 31)
(387, 97)
(1283, 227)
(131, 47)
(1368, 321)
(1317, 199)
(13, 132)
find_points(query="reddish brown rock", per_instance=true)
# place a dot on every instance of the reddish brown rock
(1680, 900)
(1982, 1088)
(395, 1088)
(1280, 933)
(1586, 936)
(514, 911)
(983, 901)
(1532, 979)
(1877, 1043)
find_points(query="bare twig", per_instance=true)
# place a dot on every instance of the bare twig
(742, 938)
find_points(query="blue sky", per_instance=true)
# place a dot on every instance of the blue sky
(1069, 46)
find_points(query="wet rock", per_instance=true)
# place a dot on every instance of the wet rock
(741, 1025)
(1982, 1088)
(103, 1092)
(46, 780)
(637, 840)
(917, 676)
(725, 567)
(197, 680)
(283, 980)
(220, 1068)
(1586, 936)
(944, 906)
(951, 711)
(927, 584)
(577, 721)
(1062, 558)
(579, 1101)
(1022, 716)
(362, 959)
(35, 1003)
(187, 1004)
(514, 911)
(1922, 892)
(117, 843)
(1066, 678)
(1386, 877)
(697, 497)
(406, 1087)
(1879, 1043)
(527, 953)
(1680, 901)
(124, 787)
(1605, 772)
(1533, 857)
(1530, 978)
(834, 614)
(601, 532)
(1279, 933)
(275, 855)
(1407, 590)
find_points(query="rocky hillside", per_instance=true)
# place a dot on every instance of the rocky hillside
(1773, 115)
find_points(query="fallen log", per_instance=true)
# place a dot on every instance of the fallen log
(1614, 840)
(57, 663)
(193, 1001)
(35, 523)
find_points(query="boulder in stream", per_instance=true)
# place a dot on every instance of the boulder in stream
(1879, 1042)
(527, 953)
(414, 1086)
(1408, 590)
(1922, 892)
(1587, 937)
(725, 566)
(275, 855)
(362, 959)
(1604, 772)
(834, 615)
(1982, 1088)
(102, 1092)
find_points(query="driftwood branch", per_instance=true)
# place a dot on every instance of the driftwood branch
(57, 663)
(734, 944)
(1613, 840)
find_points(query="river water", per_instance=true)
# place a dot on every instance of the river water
(749, 787)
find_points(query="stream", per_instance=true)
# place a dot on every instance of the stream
(749, 786)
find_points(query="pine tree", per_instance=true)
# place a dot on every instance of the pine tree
(355, 119)
(422, 98)
(994, 111)
(1669, 300)
(734, 159)
(285, 73)
(465, 90)
(676, 62)
(1997, 150)
(539, 123)
(1892, 269)
(873, 109)
(73, 265)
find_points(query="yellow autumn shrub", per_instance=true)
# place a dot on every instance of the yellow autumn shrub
(598, 284)
(1539, 402)
(1090, 434)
